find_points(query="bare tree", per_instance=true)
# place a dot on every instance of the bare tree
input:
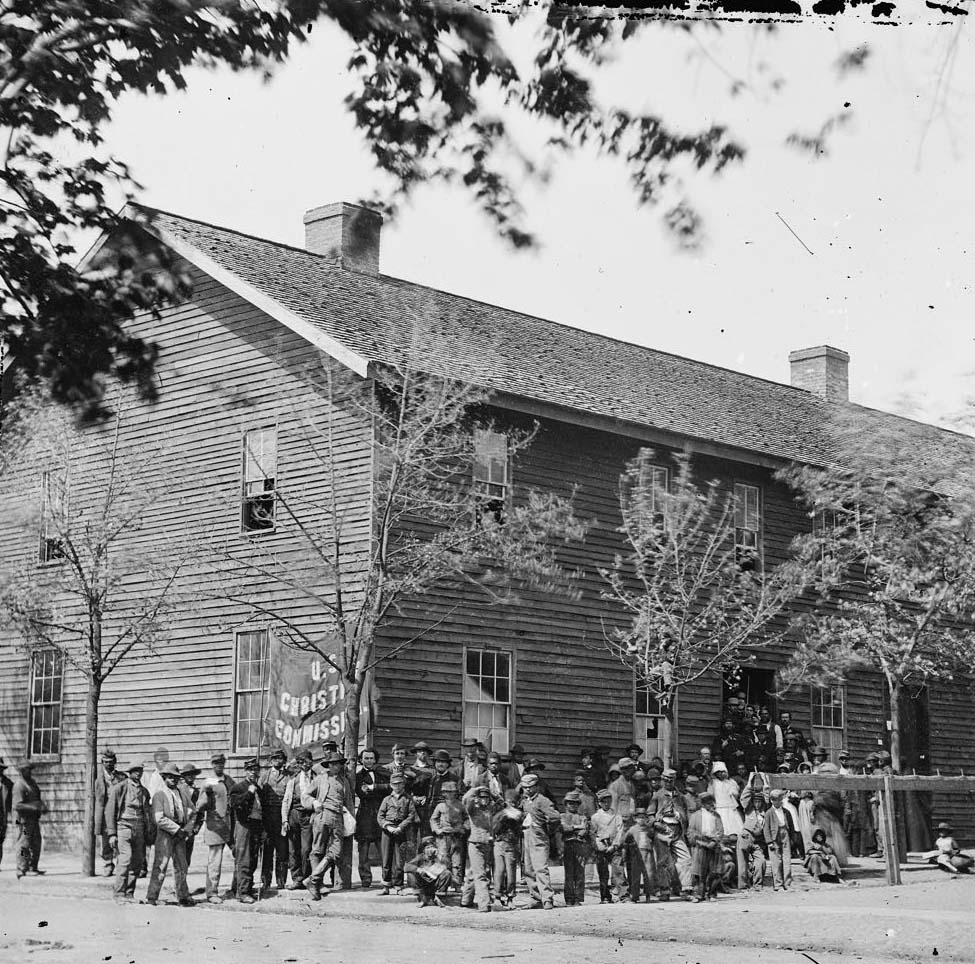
(894, 545)
(698, 599)
(91, 585)
(429, 526)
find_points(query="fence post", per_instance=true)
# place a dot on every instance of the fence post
(891, 857)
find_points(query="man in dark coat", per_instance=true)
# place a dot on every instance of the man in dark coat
(274, 782)
(371, 786)
(27, 808)
(107, 778)
(248, 804)
(516, 764)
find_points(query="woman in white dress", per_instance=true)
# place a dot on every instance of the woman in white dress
(726, 792)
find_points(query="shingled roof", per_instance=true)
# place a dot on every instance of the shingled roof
(539, 360)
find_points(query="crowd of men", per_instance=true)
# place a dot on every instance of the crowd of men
(474, 825)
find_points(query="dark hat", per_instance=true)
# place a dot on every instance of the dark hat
(603, 794)
(517, 748)
(943, 826)
(188, 769)
(482, 791)
(817, 751)
(442, 755)
(573, 796)
(170, 770)
(334, 757)
(639, 811)
(587, 751)
(843, 754)
(535, 764)
(329, 746)
(529, 780)
(634, 746)
(421, 745)
(303, 756)
(132, 767)
(494, 756)
(470, 741)
(278, 754)
(218, 758)
(692, 778)
(252, 764)
(108, 754)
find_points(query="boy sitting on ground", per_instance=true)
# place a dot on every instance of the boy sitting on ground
(431, 876)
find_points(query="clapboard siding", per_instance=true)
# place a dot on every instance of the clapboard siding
(225, 367)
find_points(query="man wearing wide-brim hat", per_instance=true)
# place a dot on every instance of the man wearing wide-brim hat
(107, 777)
(328, 797)
(130, 828)
(169, 813)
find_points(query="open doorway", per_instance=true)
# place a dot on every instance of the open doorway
(747, 686)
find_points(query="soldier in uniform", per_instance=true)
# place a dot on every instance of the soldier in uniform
(274, 783)
(171, 818)
(27, 808)
(248, 805)
(130, 829)
(396, 817)
(218, 825)
(107, 777)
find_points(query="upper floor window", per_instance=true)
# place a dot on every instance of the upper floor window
(260, 472)
(748, 525)
(53, 505)
(492, 478)
(44, 712)
(828, 718)
(250, 689)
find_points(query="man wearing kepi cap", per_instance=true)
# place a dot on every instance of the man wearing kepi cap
(130, 829)
(107, 777)
(540, 822)
(248, 804)
(274, 783)
(396, 817)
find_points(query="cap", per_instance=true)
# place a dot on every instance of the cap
(494, 756)
(634, 746)
(482, 791)
(817, 751)
(517, 748)
(777, 794)
(442, 755)
(844, 754)
(625, 762)
(218, 758)
(449, 785)
(943, 826)
(669, 772)
(691, 778)
(573, 796)
(613, 768)
(639, 811)
(428, 842)
(397, 779)
(108, 754)
(603, 794)
(187, 769)
(327, 744)
(398, 746)
(278, 754)
(421, 745)
(132, 767)
(334, 757)
(470, 741)
(534, 764)
(529, 780)
(170, 770)
(252, 764)
(303, 756)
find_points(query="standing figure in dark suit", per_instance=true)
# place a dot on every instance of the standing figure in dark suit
(371, 787)
(28, 808)
(107, 777)
(274, 782)
(516, 765)
(248, 805)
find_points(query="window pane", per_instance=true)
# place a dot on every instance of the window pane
(488, 663)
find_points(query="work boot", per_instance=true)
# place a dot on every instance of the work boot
(313, 889)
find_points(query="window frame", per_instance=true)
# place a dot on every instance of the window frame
(509, 653)
(651, 746)
(50, 549)
(816, 730)
(741, 547)
(53, 756)
(485, 499)
(236, 747)
(246, 454)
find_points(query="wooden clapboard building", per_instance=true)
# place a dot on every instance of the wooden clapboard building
(536, 672)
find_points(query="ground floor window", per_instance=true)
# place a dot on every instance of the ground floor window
(44, 715)
(648, 723)
(488, 697)
(828, 715)
(250, 689)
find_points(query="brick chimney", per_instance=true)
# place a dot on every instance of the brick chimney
(825, 371)
(347, 232)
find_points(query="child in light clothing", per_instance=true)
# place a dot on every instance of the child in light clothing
(606, 829)
(947, 854)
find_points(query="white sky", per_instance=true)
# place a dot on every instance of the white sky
(888, 214)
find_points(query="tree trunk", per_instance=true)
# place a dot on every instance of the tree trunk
(91, 769)
(668, 733)
(353, 697)
(894, 691)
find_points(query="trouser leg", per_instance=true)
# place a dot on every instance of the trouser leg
(365, 848)
(785, 849)
(131, 856)
(480, 858)
(387, 849)
(108, 853)
(180, 868)
(214, 867)
(742, 851)
(505, 862)
(539, 881)
(245, 857)
(345, 863)
(161, 855)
